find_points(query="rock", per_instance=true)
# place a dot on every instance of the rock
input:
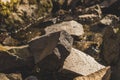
(110, 20)
(81, 63)
(103, 74)
(14, 57)
(50, 50)
(12, 76)
(72, 27)
(31, 78)
(110, 51)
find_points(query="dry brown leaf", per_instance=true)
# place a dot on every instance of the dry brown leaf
(103, 74)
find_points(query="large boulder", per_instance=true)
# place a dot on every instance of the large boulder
(110, 51)
(81, 63)
(72, 27)
(51, 50)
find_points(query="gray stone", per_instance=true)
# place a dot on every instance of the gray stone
(81, 63)
(72, 27)
(51, 50)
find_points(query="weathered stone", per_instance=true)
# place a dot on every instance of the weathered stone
(110, 51)
(12, 76)
(13, 57)
(81, 63)
(103, 74)
(72, 27)
(51, 50)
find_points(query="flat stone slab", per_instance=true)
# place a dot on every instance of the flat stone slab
(81, 63)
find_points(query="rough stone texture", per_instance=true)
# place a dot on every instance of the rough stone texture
(103, 74)
(72, 27)
(81, 63)
(110, 51)
(12, 76)
(50, 50)
(13, 57)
